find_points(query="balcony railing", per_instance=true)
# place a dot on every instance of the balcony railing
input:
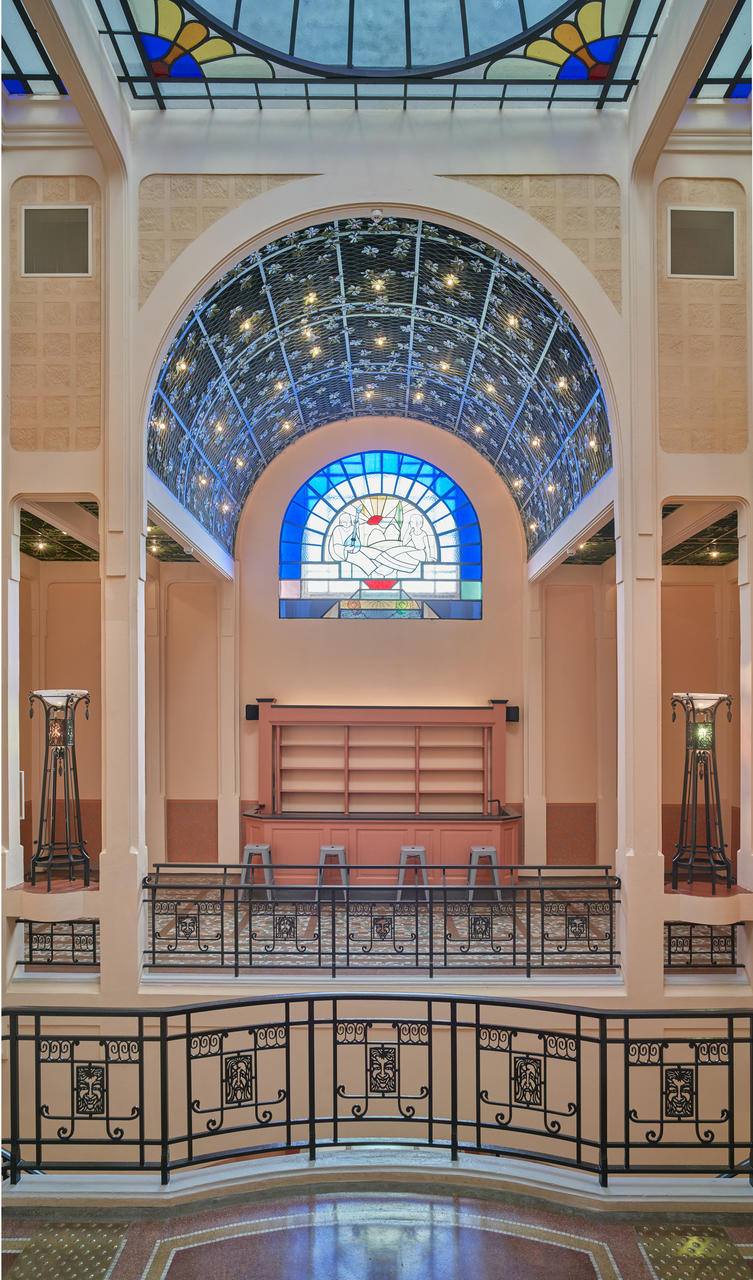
(61, 943)
(688, 945)
(229, 918)
(164, 1089)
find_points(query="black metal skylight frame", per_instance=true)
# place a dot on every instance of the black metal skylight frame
(728, 86)
(455, 84)
(17, 67)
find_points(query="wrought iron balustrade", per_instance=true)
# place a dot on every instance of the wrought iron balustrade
(688, 945)
(163, 1089)
(230, 917)
(61, 942)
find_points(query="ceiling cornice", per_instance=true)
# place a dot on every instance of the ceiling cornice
(29, 136)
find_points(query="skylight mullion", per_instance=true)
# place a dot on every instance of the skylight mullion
(19, 75)
(223, 374)
(618, 53)
(738, 76)
(706, 74)
(474, 352)
(33, 33)
(346, 334)
(145, 61)
(464, 28)
(408, 51)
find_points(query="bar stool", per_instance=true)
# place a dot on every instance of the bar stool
(332, 856)
(255, 855)
(412, 855)
(483, 853)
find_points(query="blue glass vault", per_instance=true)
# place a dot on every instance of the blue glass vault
(380, 535)
(356, 318)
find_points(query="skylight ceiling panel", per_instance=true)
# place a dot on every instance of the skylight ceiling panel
(380, 342)
(270, 23)
(379, 34)
(321, 33)
(328, 398)
(491, 22)
(442, 348)
(377, 263)
(436, 32)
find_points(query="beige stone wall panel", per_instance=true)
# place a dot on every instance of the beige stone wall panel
(702, 333)
(56, 326)
(174, 209)
(582, 210)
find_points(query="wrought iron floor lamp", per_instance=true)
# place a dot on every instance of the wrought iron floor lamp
(701, 844)
(58, 847)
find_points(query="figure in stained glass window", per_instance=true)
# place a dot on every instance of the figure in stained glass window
(380, 535)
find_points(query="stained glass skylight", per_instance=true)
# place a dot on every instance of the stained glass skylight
(397, 317)
(357, 51)
(727, 72)
(27, 68)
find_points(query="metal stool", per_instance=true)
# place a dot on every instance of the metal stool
(258, 855)
(412, 855)
(332, 856)
(483, 853)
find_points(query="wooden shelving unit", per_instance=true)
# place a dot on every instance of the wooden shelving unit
(380, 760)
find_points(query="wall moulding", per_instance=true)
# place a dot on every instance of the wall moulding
(174, 209)
(583, 210)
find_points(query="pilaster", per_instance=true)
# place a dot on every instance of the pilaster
(638, 563)
(228, 799)
(122, 549)
(534, 740)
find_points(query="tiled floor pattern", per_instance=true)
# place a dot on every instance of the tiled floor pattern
(378, 1237)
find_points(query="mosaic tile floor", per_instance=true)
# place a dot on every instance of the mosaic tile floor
(377, 1237)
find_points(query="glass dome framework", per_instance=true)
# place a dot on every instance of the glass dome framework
(353, 318)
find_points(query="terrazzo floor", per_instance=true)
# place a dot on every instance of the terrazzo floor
(378, 1237)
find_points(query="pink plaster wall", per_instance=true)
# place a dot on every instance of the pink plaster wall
(59, 621)
(381, 663)
(570, 694)
(700, 651)
(72, 661)
(191, 691)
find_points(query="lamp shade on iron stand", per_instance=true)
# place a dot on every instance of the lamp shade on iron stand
(700, 845)
(60, 842)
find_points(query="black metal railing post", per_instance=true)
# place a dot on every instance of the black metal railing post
(527, 892)
(312, 1079)
(15, 1135)
(164, 1103)
(603, 1108)
(453, 1080)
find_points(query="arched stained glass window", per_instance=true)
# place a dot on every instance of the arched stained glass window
(380, 535)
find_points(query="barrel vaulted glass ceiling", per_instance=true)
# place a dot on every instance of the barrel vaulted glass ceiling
(396, 317)
(361, 52)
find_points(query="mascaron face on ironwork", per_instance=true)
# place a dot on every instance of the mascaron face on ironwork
(354, 318)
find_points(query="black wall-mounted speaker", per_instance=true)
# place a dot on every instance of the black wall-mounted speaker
(512, 715)
(252, 711)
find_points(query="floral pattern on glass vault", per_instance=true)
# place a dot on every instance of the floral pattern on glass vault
(354, 318)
